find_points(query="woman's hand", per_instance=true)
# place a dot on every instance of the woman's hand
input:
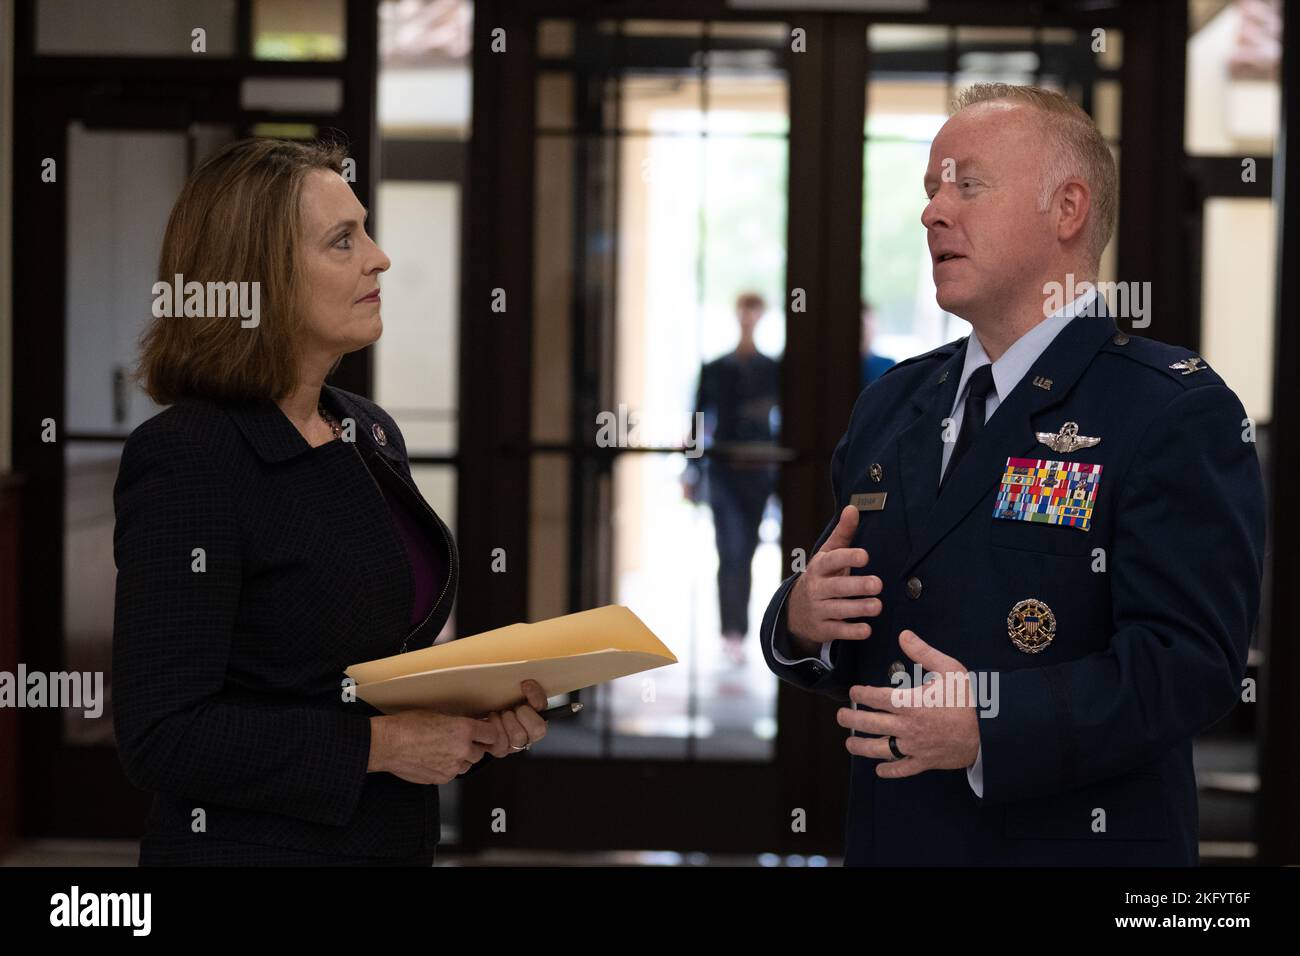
(424, 746)
(523, 726)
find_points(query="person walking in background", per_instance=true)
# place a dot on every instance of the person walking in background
(737, 395)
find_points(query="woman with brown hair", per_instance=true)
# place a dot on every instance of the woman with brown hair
(269, 534)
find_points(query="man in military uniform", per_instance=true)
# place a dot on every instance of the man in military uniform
(1044, 570)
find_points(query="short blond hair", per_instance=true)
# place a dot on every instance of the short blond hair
(1078, 150)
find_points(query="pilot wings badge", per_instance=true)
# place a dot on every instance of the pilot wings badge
(1067, 439)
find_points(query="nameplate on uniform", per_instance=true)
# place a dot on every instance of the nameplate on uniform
(1048, 492)
(875, 501)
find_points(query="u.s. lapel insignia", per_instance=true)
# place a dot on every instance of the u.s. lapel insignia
(1041, 381)
(1189, 365)
(1031, 625)
(378, 431)
(1067, 439)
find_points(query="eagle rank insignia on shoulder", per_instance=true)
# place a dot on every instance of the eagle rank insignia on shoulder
(1067, 439)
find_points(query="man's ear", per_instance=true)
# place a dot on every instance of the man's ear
(1074, 201)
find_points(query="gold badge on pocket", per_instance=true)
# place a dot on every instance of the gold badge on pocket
(1031, 625)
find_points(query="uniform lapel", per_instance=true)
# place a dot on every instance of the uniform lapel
(1008, 433)
(919, 445)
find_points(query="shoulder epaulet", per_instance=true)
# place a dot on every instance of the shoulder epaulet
(942, 353)
(1181, 364)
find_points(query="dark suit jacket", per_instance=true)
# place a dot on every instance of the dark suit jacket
(227, 681)
(1148, 650)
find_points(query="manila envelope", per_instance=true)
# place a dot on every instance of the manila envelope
(475, 675)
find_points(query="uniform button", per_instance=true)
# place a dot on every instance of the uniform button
(1120, 338)
(877, 472)
(914, 588)
(896, 667)
(818, 670)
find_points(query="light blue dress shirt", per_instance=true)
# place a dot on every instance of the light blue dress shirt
(1008, 370)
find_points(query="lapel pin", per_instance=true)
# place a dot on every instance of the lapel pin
(1042, 382)
(877, 472)
(942, 378)
(1067, 439)
(378, 431)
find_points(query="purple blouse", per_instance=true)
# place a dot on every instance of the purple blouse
(424, 555)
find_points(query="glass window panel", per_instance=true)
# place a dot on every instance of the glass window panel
(555, 38)
(134, 27)
(285, 130)
(114, 236)
(1233, 96)
(299, 29)
(658, 28)
(910, 109)
(897, 282)
(1059, 36)
(424, 68)
(1106, 108)
(286, 95)
(417, 357)
(1237, 286)
(429, 101)
(555, 101)
(986, 66)
(885, 37)
(995, 37)
(685, 205)
(1110, 56)
(699, 170)
(746, 104)
(90, 579)
(662, 104)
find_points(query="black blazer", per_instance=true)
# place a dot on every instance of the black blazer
(228, 662)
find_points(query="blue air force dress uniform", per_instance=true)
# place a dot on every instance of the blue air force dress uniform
(1098, 548)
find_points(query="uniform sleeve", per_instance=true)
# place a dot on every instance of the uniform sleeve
(809, 673)
(179, 730)
(1186, 566)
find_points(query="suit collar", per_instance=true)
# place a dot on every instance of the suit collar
(275, 439)
(1008, 432)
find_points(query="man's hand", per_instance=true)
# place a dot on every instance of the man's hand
(827, 594)
(932, 737)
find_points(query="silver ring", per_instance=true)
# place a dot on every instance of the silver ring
(893, 749)
(524, 747)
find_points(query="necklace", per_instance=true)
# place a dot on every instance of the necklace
(335, 428)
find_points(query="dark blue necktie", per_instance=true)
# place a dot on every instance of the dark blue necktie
(972, 423)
